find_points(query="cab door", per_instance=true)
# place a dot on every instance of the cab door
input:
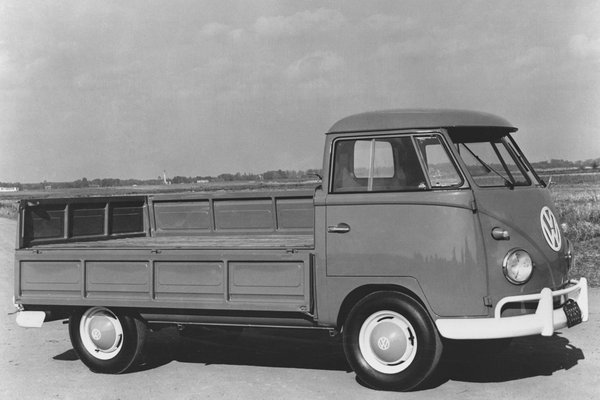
(398, 207)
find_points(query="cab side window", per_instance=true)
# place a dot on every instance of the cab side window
(376, 165)
(440, 168)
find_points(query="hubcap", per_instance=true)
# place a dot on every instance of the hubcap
(387, 342)
(101, 333)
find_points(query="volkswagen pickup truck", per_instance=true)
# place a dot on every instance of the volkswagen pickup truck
(427, 225)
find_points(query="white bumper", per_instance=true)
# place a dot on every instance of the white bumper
(544, 322)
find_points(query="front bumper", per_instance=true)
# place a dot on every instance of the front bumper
(543, 322)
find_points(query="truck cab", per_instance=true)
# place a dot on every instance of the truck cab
(427, 225)
(440, 206)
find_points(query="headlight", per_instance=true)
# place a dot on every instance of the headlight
(517, 266)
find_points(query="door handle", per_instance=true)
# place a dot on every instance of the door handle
(339, 228)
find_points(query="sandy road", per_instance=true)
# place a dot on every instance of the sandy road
(266, 364)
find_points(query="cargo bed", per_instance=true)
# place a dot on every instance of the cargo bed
(249, 251)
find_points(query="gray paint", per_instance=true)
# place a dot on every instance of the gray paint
(433, 244)
(417, 119)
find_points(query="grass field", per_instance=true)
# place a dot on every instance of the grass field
(8, 209)
(579, 207)
(577, 200)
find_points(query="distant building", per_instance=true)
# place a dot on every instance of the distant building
(9, 189)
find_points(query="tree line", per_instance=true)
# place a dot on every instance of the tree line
(566, 164)
(273, 175)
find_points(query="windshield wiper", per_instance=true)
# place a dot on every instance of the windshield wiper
(489, 169)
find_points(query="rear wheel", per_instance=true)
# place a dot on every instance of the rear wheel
(391, 342)
(107, 341)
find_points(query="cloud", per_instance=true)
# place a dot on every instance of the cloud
(219, 30)
(214, 29)
(390, 23)
(121, 77)
(412, 47)
(7, 68)
(320, 20)
(533, 57)
(584, 47)
(314, 65)
(237, 34)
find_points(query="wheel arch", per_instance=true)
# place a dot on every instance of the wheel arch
(361, 292)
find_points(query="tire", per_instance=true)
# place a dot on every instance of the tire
(107, 341)
(391, 342)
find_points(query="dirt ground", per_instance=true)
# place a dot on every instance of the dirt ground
(268, 364)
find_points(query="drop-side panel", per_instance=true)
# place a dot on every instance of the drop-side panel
(182, 216)
(189, 280)
(267, 281)
(105, 279)
(50, 279)
(72, 220)
(244, 280)
(295, 214)
(244, 214)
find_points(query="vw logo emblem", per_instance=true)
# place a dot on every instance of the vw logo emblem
(550, 229)
(383, 343)
(96, 335)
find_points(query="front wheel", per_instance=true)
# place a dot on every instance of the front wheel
(391, 342)
(107, 341)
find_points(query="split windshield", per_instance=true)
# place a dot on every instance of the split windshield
(492, 159)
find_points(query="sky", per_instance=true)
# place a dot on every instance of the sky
(128, 89)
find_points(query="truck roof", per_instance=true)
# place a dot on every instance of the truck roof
(417, 118)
